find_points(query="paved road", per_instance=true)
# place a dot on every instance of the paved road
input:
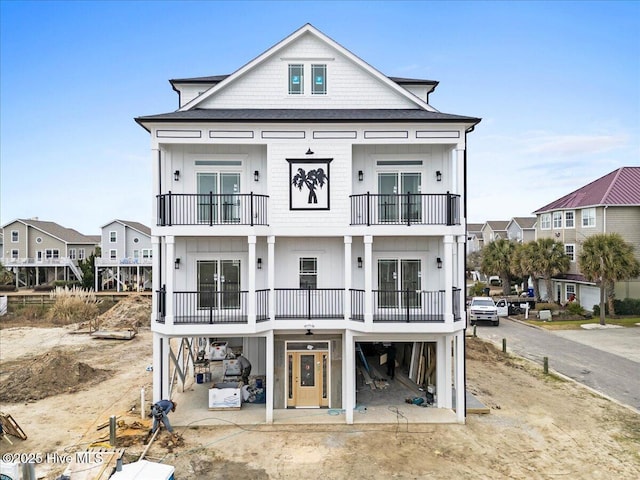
(606, 360)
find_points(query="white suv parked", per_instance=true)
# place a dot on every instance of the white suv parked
(483, 308)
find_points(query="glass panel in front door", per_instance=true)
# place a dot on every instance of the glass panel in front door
(230, 283)
(387, 283)
(410, 283)
(307, 370)
(207, 197)
(230, 188)
(388, 197)
(207, 284)
(411, 205)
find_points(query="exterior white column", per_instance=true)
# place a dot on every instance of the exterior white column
(155, 277)
(271, 275)
(270, 381)
(449, 268)
(461, 280)
(348, 269)
(461, 407)
(349, 376)
(368, 279)
(166, 367)
(441, 373)
(158, 341)
(170, 273)
(447, 388)
(458, 186)
(251, 269)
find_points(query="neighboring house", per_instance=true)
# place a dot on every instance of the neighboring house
(493, 230)
(474, 237)
(310, 208)
(610, 204)
(39, 252)
(126, 257)
(522, 229)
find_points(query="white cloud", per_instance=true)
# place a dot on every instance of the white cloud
(570, 145)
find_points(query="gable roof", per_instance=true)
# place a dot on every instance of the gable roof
(311, 30)
(496, 225)
(66, 235)
(618, 188)
(135, 225)
(525, 223)
(474, 227)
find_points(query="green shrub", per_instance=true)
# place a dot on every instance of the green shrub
(477, 289)
(574, 308)
(628, 306)
(547, 306)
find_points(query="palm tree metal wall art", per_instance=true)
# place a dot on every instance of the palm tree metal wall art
(309, 185)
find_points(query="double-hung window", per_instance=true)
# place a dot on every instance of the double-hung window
(569, 219)
(113, 237)
(15, 236)
(545, 221)
(309, 273)
(557, 220)
(570, 251)
(588, 217)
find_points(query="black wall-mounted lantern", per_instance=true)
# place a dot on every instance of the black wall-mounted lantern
(256, 176)
(439, 262)
(259, 264)
(359, 262)
(360, 175)
(177, 263)
(176, 175)
(438, 175)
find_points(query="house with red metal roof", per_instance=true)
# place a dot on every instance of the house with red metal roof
(610, 204)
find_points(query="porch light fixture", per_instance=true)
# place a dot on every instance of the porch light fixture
(359, 262)
(309, 152)
(360, 175)
(176, 175)
(309, 326)
(177, 263)
(438, 175)
(259, 264)
(439, 262)
(256, 175)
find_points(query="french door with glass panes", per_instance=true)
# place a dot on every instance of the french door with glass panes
(399, 283)
(218, 284)
(399, 199)
(218, 197)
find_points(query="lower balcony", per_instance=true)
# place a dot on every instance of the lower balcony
(231, 307)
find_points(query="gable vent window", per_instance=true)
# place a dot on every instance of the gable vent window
(296, 79)
(319, 79)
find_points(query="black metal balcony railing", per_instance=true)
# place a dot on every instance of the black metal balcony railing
(212, 209)
(262, 305)
(210, 307)
(295, 303)
(405, 209)
(309, 303)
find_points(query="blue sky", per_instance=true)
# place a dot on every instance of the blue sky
(557, 85)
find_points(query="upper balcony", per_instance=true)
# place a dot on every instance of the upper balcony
(405, 209)
(212, 209)
(252, 209)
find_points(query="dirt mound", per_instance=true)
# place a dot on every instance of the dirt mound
(49, 374)
(130, 313)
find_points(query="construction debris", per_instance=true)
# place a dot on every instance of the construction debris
(10, 426)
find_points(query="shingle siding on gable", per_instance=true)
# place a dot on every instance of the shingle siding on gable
(266, 87)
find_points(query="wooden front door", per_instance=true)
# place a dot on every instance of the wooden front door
(308, 377)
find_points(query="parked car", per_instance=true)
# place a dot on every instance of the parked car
(483, 309)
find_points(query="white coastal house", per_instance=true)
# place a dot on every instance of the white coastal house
(125, 262)
(309, 208)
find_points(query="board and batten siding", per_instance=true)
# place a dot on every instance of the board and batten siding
(347, 85)
(328, 251)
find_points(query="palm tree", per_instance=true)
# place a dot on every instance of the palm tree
(523, 263)
(549, 260)
(606, 258)
(311, 179)
(496, 259)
